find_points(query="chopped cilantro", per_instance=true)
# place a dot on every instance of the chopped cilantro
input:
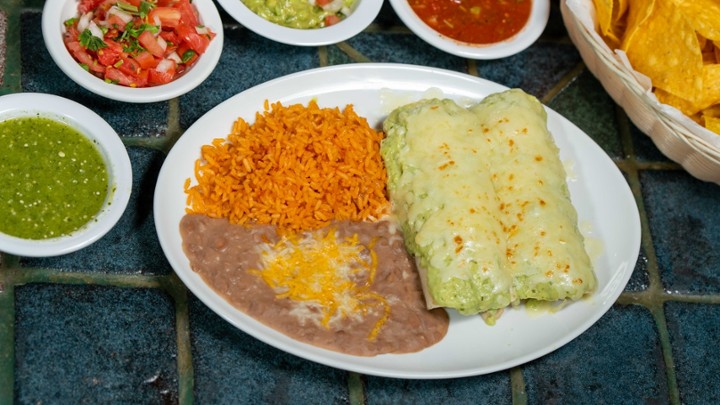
(187, 55)
(145, 7)
(70, 22)
(127, 7)
(90, 41)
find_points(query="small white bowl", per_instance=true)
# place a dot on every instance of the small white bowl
(364, 13)
(56, 12)
(111, 148)
(539, 15)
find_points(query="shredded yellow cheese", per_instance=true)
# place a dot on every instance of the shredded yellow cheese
(323, 272)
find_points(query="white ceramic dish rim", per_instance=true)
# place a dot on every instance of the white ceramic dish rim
(55, 12)
(598, 189)
(539, 16)
(364, 14)
(108, 143)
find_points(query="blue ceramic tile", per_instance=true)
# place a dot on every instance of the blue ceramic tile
(534, 70)
(132, 246)
(401, 47)
(644, 147)
(684, 220)
(555, 26)
(41, 75)
(617, 361)
(487, 389)
(232, 367)
(94, 345)
(694, 335)
(387, 17)
(640, 279)
(587, 105)
(244, 63)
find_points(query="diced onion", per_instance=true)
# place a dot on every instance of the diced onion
(162, 43)
(175, 57)
(95, 30)
(334, 6)
(84, 21)
(202, 30)
(164, 65)
(122, 14)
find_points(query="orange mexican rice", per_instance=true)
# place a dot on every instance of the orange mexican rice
(296, 167)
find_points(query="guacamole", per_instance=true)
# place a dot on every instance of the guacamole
(302, 14)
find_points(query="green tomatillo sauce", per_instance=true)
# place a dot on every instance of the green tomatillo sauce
(53, 180)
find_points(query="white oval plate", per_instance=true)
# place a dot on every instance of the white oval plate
(607, 213)
(364, 13)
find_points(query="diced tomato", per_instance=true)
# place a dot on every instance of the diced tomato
(88, 5)
(192, 39)
(167, 16)
(189, 13)
(149, 42)
(71, 35)
(117, 76)
(192, 56)
(170, 37)
(157, 78)
(81, 55)
(135, 3)
(331, 19)
(116, 22)
(146, 60)
(323, 2)
(110, 54)
(129, 66)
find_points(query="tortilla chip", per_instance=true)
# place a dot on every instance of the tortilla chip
(703, 16)
(668, 52)
(711, 85)
(712, 123)
(637, 14)
(686, 107)
(603, 12)
(712, 111)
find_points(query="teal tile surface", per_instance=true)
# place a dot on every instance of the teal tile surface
(232, 367)
(492, 389)
(93, 345)
(617, 361)
(694, 333)
(684, 222)
(587, 105)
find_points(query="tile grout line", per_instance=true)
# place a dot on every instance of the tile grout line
(185, 370)
(7, 334)
(518, 386)
(652, 297)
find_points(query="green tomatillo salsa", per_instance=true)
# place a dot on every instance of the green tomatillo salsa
(302, 14)
(53, 180)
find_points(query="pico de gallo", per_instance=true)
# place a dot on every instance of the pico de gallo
(136, 43)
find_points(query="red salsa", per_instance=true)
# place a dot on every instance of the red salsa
(474, 21)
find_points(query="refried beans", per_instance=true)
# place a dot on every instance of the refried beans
(228, 257)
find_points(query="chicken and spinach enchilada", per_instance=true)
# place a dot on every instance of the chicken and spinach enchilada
(482, 200)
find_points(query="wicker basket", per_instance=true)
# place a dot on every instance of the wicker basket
(684, 141)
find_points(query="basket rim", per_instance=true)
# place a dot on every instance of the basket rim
(680, 130)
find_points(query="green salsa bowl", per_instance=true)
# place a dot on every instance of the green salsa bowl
(65, 176)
